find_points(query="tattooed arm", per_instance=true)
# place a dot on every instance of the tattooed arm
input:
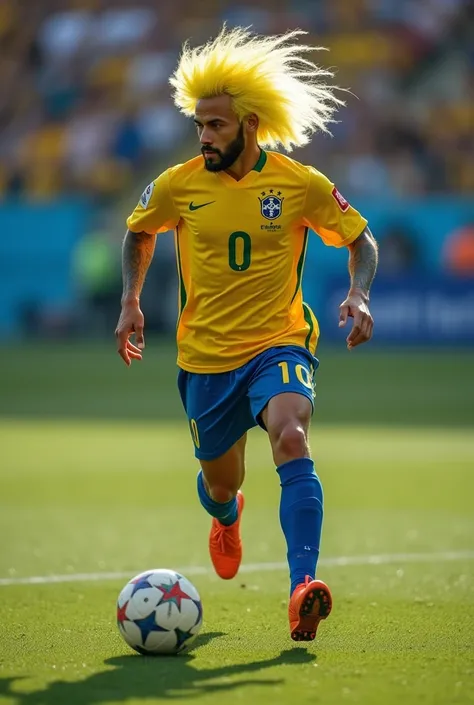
(363, 257)
(137, 253)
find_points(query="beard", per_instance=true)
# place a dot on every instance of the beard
(229, 156)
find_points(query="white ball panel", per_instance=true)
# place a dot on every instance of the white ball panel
(168, 615)
(131, 633)
(143, 602)
(125, 594)
(189, 615)
(161, 642)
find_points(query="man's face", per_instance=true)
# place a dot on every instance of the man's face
(220, 132)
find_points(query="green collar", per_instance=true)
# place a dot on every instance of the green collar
(262, 160)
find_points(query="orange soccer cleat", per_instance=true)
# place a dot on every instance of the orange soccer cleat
(310, 602)
(225, 544)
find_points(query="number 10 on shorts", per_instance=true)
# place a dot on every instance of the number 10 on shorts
(302, 373)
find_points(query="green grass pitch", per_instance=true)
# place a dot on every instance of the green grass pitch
(91, 484)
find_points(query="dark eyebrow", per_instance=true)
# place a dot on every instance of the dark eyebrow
(210, 122)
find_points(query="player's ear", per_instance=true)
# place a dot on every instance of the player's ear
(252, 122)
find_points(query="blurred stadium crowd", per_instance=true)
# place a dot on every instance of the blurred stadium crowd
(86, 108)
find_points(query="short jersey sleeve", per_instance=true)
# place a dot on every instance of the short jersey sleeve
(328, 213)
(155, 211)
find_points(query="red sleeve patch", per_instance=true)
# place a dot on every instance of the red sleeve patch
(340, 200)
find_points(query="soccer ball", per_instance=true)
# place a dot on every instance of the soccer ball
(159, 612)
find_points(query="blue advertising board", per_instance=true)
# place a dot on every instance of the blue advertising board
(36, 245)
(415, 310)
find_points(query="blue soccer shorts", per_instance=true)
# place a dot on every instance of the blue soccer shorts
(221, 407)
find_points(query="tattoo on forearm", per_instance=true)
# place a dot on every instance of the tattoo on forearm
(363, 258)
(137, 253)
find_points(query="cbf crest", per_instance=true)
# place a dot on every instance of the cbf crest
(271, 204)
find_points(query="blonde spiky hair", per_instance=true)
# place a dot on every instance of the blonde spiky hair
(263, 75)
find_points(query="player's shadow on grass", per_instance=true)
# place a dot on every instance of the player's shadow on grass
(171, 677)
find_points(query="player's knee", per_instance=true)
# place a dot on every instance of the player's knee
(222, 494)
(290, 443)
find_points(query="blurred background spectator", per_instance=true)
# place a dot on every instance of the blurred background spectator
(98, 286)
(86, 106)
(400, 253)
(86, 115)
(459, 252)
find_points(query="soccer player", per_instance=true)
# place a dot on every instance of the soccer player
(246, 340)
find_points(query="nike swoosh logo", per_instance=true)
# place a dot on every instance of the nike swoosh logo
(192, 207)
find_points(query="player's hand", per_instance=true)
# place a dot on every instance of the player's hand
(356, 307)
(131, 321)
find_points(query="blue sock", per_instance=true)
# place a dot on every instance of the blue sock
(225, 512)
(301, 516)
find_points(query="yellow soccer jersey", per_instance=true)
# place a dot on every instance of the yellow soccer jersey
(240, 248)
